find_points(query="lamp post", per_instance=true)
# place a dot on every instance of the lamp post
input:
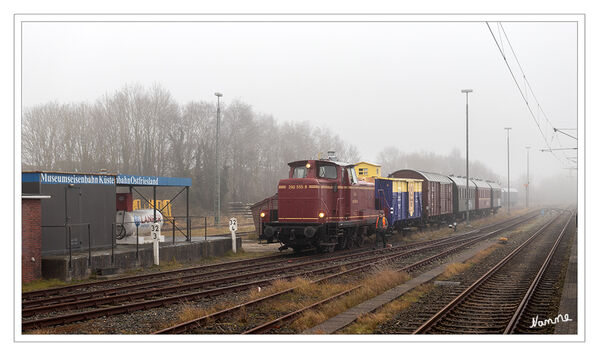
(507, 129)
(527, 174)
(467, 91)
(217, 212)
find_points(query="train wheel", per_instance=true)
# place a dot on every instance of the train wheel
(350, 243)
(359, 239)
(352, 238)
(325, 249)
(342, 242)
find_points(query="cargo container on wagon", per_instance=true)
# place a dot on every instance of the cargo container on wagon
(400, 199)
(436, 193)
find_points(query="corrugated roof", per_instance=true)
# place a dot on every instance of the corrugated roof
(513, 190)
(481, 183)
(370, 163)
(494, 185)
(433, 177)
(460, 181)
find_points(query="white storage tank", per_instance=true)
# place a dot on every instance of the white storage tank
(128, 220)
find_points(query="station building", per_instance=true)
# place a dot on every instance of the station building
(367, 170)
(65, 214)
(85, 203)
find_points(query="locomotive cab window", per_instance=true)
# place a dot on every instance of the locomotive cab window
(299, 172)
(327, 171)
(352, 176)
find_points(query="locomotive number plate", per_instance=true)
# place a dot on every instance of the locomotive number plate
(298, 186)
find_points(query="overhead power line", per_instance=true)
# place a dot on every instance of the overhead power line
(524, 97)
(563, 133)
(530, 86)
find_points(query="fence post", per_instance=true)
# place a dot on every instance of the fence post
(174, 221)
(89, 245)
(205, 228)
(112, 245)
(70, 254)
(137, 242)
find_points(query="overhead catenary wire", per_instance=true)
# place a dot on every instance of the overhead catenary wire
(528, 83)
(548, 123)
(521, 92)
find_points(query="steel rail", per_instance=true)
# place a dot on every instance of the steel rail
(511, 327)
(271, 324)
(194, 323)
(462, 296)
(65, 289)
(28, 304)
(58, 290)
(68, 301)
(86, 315)
(94, 302)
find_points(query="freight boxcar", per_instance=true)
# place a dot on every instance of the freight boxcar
(437, 192)
(400, 199)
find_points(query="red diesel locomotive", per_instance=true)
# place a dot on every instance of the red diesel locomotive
(323, 205)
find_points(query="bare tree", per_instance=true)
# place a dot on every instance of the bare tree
(142, 131)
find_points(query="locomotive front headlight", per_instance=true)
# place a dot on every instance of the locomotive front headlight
(262, 214)
(321, 215)
(308, 165)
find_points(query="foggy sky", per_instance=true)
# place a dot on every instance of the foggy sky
(375, 84)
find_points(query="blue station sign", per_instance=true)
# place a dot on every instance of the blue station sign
(124, 179)
(121, 179)
(67, 178)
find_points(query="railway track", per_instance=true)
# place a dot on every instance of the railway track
(102, 288)
(502, 299)
(448, 247)
(41, 311)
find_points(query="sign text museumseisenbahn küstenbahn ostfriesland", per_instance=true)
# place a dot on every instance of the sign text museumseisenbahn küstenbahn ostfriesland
(53, 178)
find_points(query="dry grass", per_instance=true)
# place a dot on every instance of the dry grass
(45, 284)
(189, 311)
(379, 280)
(304, 294)
(444, 231)
(367, 323)
(454, 269)
(482, 254)
(459, 267)
(59, 330)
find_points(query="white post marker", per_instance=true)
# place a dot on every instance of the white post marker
(155, 233)
(233, 228)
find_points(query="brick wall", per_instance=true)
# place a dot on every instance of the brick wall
(31, 260)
